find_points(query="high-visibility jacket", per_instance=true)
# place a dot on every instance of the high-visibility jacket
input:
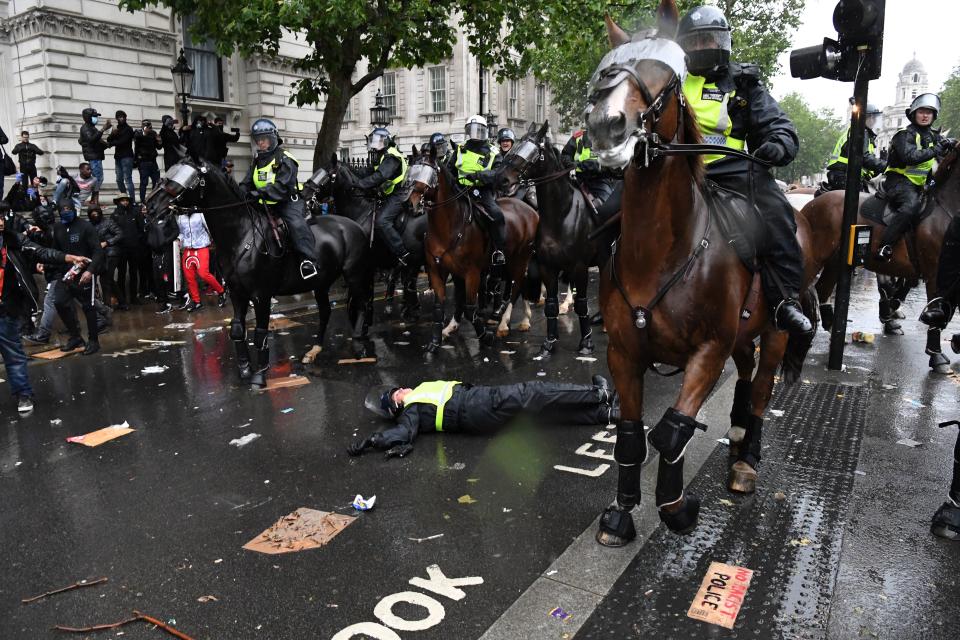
(388, 186)
(709, 103)
(435, 392)
(262, 176)
(917, 174)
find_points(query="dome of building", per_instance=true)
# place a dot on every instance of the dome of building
(914, 66)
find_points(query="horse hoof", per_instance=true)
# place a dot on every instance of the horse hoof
(388, 310)
(616, 528)
(310, 356)
(892, 328)
(503, 333)
(585, 349)
(939, 362)
(826, 316)
(433, 347)
(742, 478)
(955, 343)
(684, 520)
(523, 327)
(258, 380)
(245, 372)
(946, 522)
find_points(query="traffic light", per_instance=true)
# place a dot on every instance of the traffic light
(857, 51)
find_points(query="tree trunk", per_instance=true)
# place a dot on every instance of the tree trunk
(338, 97)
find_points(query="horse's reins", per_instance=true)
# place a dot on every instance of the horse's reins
(467, 219)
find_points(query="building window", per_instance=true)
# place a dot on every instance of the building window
(916, 77)
(348, 114)
(541, 103)
(438, 89)
(913, 94)
(390, 92)
(207, 66)
(513, 99)
(344, 154)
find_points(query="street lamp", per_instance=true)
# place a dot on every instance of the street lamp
(379, 113)
(491, 124)
(183, 83)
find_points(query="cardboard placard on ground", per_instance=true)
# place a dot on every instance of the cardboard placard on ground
(55, 354)
(303, 529)
(98, 437)
(356, 361)
(721, 594)
(282, 383)
(283, 323)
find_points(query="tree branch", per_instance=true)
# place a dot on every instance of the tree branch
(376, 71)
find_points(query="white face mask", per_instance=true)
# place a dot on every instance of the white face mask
(93, 120)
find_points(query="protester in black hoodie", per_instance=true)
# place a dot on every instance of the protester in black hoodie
(122, 141)
(78, 237)
(93, 146)
(171, 143)
(27, 153)
(131, 242)
(110, 236)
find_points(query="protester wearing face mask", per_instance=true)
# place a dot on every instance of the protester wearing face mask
(110, 236)
(76, 236)
(122, 141)
(93, 146)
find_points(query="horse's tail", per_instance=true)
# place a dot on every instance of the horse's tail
(799, 345)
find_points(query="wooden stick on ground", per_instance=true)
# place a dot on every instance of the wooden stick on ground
(137, 617)
(75, 585)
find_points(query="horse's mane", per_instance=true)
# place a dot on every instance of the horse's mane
(692, 135)
(229, 183)
(945, 168)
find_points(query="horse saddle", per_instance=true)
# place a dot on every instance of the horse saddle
(473, 198)
(878, 209)
(739, 223)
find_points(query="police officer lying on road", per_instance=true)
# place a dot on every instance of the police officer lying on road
(449, 405)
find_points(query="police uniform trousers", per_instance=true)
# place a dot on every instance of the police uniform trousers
(905, 198)
(387, 222)
(779, 246)
(599, 188)
(497, 229)
(302, 238)
(483, 409)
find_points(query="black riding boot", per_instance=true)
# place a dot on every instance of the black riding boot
(789, 316)
(259, 377)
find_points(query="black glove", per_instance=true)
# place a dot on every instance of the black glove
(399, 451)
(589, 166)
(945, 146)
(253, 196)
(358, 447)
(771, 152)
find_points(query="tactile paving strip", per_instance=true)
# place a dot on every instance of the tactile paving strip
(792, 543)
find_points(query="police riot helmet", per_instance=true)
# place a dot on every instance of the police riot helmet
(506, 133)
(704, 35)
(439, 142)
(264, 129)
(379, 140)
(924, 101)
(379, 399)
(476, 128)
(872, 114)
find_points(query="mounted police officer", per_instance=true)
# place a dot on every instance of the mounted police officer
(733, 109)
(439, 142)
(597, 180)
(474, 161)
(911, 158)
(389, 172)
(872, 165)
(272, 181)
(506, 138)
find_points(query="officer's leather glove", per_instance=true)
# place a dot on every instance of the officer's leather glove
(399, 451)
(771, 152)
(359, 445)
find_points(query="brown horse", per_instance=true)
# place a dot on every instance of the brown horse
(455, 244)
(915, 256)
(674, 291)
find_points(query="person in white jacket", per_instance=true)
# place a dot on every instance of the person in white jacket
(195, 256)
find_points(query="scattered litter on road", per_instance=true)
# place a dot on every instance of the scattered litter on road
(800, 542)
(154, 369)
(541, 373)
(282, 383)
(863, 337)
(137, 617)
(725, 441)
(586, 359)
(401, 343)
(218, 561)
(465, 499)
(208, 599)
(433, 537)
(779, 496)
(648, 593)
(860, 473)
(776, 413)
(485, 359)
(287, 410)
(507, 352)
(538, 358)
(909, 442)
(473, 479)
(55, 354)
(726, 503)
(18, 463)
(505, 510)
(301, 530)
(551, 572)
(446, 346)
(178, 325)
(247, 439)
(282, 323)
(915, 403)
(98, 437)
(888, 387)
(75, 585)
(56, 421)
(725, 581)
(560, 614)
(363, 504)
(162, 343)
(202, 332)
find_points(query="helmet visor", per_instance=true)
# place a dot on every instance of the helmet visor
(373, 400)
(270, 137)
(476, 131)
(706, 39)
(378, 142)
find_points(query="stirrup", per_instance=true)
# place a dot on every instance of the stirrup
(938, 305)
(308, 269)
(885, 252)
(402, 259)
(498, 258)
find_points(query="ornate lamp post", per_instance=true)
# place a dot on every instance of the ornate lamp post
(492, 125)
(379, 113)
(183, 83)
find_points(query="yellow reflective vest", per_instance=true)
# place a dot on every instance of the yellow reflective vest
(388, 186)
(917, 174)
(262, 176)
(469, 162)
(436, 392)
(837, 156)
(709, 103)
(582, 153)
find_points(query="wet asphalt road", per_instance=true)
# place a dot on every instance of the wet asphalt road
(163, 512)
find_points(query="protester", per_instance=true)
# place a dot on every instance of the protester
(76, 236)
(132, 237)
(196, 137)
(110, 236)
(18, 297)
(93, 146)
(27, 153)
(82, 188)
(195, 258)
(217, 148)
(160, 234)
(170, 140)
(122, 142)
(146, 143)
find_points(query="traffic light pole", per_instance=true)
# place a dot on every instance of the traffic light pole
(851, 205)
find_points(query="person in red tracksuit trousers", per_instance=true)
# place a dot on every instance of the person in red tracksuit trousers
(195, 256)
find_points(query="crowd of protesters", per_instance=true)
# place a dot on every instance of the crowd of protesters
(58, 234)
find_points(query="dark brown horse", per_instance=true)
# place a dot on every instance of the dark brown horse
(915, 256)
(455, 243)
(674, 291)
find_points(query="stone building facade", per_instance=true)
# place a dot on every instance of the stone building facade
(59, 56)
(912, 82)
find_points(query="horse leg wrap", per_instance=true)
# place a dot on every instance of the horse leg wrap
(670, 492)
(551, 311)
(475, 319)
(630, 452)
(750, 447)
(671, 435)
(260, 338)
(580, 306)
(243, 359)
(933, 341)
(740, 412)
(437, 324)
(586, 327)
(826, 315)
(616, 527)
(238, 330)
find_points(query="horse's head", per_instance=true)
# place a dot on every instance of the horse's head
(190, 184)
(423, 178)
(524, 155)
(635, 92)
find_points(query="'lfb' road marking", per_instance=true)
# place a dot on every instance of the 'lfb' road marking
(592, 450)
(436, 582)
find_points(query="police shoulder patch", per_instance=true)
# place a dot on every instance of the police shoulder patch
(714, 94)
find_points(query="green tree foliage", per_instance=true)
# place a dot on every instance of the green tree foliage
(818, 131)
(949, 118)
